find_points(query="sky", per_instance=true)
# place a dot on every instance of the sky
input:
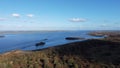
(59, 15)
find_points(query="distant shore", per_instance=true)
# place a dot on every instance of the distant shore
(30, 31)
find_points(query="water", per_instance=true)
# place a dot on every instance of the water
(27, 41)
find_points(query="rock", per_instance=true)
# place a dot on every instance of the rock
(40, 43)
(74, 38)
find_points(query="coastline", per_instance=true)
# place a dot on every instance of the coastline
(28, 40)
(89, 53)
(93, 33)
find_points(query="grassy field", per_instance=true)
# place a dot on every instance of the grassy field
(93, 53)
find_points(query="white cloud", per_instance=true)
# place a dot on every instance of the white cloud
(2, 19)
(16, 15)
(103, 25)
(30, 15)
(78, 20)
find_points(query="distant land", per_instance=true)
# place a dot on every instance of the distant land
(32, 31)
(17, 32)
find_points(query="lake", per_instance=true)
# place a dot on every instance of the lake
(27, 40)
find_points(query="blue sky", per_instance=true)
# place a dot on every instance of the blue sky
(59, 14)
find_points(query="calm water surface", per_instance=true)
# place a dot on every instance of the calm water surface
(27, 41)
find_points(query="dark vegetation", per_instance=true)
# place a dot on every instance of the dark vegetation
(93, 53)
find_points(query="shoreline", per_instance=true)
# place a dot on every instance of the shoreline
(91, 53)
(93, 33)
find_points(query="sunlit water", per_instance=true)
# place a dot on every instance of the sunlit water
(27, 41)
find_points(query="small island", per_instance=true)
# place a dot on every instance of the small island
(2, 36)
(74, 38)
(40, 44)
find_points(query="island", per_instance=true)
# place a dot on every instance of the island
(2, 36)
(40, 43)
(74, 38)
